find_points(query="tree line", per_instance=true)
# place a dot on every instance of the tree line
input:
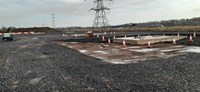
(164, 23)
(175, 22)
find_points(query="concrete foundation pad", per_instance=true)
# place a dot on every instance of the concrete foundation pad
(144, 39)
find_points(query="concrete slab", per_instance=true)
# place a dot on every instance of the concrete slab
(144, 39)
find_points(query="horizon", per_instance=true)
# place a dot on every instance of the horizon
(92, 26)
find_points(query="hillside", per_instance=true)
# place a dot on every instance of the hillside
(167, 23)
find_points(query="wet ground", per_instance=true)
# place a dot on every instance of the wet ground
(117, 53)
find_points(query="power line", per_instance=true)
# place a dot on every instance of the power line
(74, 9)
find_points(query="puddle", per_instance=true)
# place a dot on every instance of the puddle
(178, 46)
(144, 50)
(73, 42)
(24, 46)
(191, 49)
(106, 45)
(63, 44)
(117, 61)
(134, 47)
(169, 50)
(35, 38)
(70, 47)
(124, 48)
(83, 51)
(118, 46)
(101, 52)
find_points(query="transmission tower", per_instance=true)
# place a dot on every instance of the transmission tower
(100, 14)
(53, 21)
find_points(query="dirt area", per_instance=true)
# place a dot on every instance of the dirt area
(118, 54)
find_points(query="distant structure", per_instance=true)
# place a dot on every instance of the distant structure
(53, 21)
(100, 14)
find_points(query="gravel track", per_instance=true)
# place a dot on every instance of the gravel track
(34, 63)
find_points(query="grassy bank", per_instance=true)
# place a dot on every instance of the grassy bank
(175, 28)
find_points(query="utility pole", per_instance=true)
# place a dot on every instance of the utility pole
(100, 14)
(53, 21)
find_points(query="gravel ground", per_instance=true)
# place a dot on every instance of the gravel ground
(34, 63)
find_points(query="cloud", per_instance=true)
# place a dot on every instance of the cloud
(22, 13)
(72, 0)
(154, 10)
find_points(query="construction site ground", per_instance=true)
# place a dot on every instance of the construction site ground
(118, 54)
(50, 62)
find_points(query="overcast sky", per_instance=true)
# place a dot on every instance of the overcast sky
(35, 13)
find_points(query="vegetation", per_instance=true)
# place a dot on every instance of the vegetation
(177, 25)
(173, 28)
(169, 23)
(192, 24)
(3, 29)
(9, 29)
(182, 22)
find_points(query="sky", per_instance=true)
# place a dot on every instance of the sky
(38, 13)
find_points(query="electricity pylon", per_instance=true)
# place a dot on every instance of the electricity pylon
(100, 14)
